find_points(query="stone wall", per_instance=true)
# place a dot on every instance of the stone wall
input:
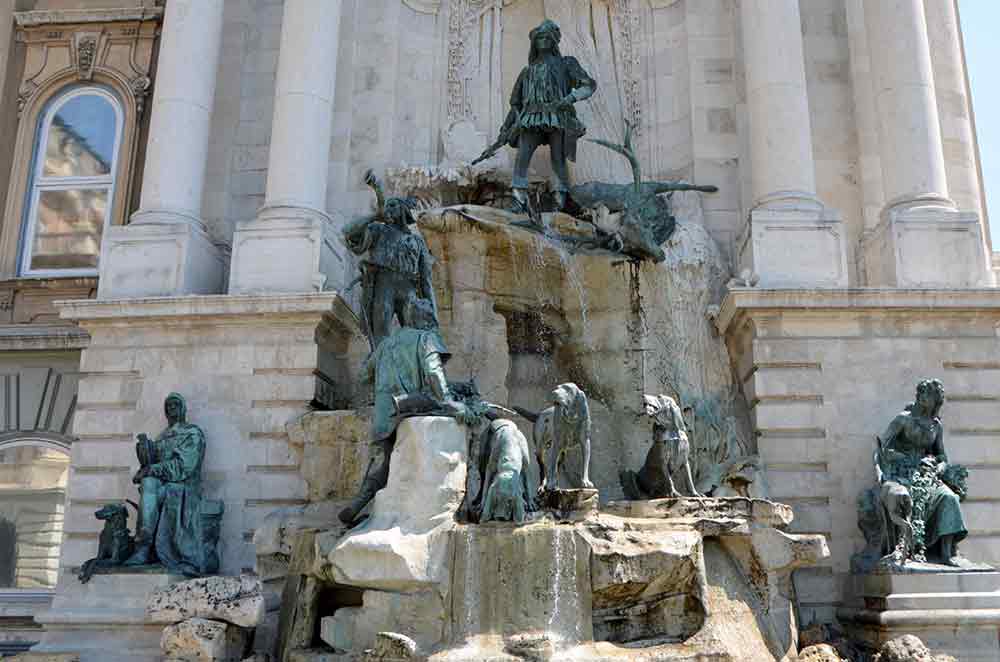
(825, 372)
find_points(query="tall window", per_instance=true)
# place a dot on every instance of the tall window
(72, 183)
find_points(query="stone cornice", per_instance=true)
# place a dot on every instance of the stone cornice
(741, 301)
(219, 308)
(22, 337)
(27, 19)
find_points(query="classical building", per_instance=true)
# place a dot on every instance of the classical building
(176, 176)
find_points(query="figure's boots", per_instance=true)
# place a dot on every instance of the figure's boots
(369, 486)
(560, 200)
(521, 204)
(145, 532)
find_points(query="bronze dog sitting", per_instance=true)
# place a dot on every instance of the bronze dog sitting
(669, 453)
(115, 544)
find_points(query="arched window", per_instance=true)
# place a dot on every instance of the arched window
(72, 183)
(33, 474)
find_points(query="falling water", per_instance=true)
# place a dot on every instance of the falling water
(469, 598)
(557, 560)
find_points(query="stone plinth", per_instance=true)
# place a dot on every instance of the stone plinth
(285, 249)
(795, 248)
(159, 257)
(105, 619)
(957, 613)
(927, 247)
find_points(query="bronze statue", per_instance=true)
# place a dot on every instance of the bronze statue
(114, 546)
(397, 266)
(542, 113)
(176, 526)
(558, 428)
(917, 498)
(408, 371)
(668, 455)
(507, 490)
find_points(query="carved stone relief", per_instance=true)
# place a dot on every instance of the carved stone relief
(424, 6)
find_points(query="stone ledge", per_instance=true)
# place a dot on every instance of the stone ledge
(862, 298)
(27, 19)
(915, 618)
(759, 511)
(14, 337)
(210, 307)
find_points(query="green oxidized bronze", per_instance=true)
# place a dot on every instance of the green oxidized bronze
(177, 527)
(914, 512)
(542, 113)
(407, 369)
(397, 266)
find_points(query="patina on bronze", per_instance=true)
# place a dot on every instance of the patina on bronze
(407, 369)
(914, 512)
(177, 527)
(397, 263)
(542, 113)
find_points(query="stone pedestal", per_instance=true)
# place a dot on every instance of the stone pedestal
(151, 258)
(285, 249)
(927, 247)
(795, 248)
(105, 620)
(957, 613)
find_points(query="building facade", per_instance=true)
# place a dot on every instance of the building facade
(177, 173)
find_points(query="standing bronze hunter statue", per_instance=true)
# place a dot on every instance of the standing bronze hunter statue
(542, 113)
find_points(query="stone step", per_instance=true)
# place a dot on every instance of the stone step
(932, 582)
(949, 600)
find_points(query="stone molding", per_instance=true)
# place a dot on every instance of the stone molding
(738, 301)
(208, 309)
(24, 337)
(25, 19)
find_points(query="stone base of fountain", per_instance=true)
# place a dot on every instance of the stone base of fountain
(671, 579)
(570, 505)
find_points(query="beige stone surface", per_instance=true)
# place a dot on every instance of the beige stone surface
(403, 545)
(201, 640)
(819, 653)
(422, 615)
(235, 600)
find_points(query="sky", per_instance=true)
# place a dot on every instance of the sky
(980, 19)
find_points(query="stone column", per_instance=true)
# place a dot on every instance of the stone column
(791, 239)
(921, 241)
(165, 250)
(958, 134)
(289, 247)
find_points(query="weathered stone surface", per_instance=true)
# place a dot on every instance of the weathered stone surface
(44, 657)
(334, 448)
(908, 648)
(393, 646)
(758, 511)
(403, 544)
(645, 583)
(819, 653)
(422, 614)
(570, 505)
(236, 600)
(202, 640)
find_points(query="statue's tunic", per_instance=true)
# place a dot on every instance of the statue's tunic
(539, 87)
(404, 363)
(178, 536)
(914, 440)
